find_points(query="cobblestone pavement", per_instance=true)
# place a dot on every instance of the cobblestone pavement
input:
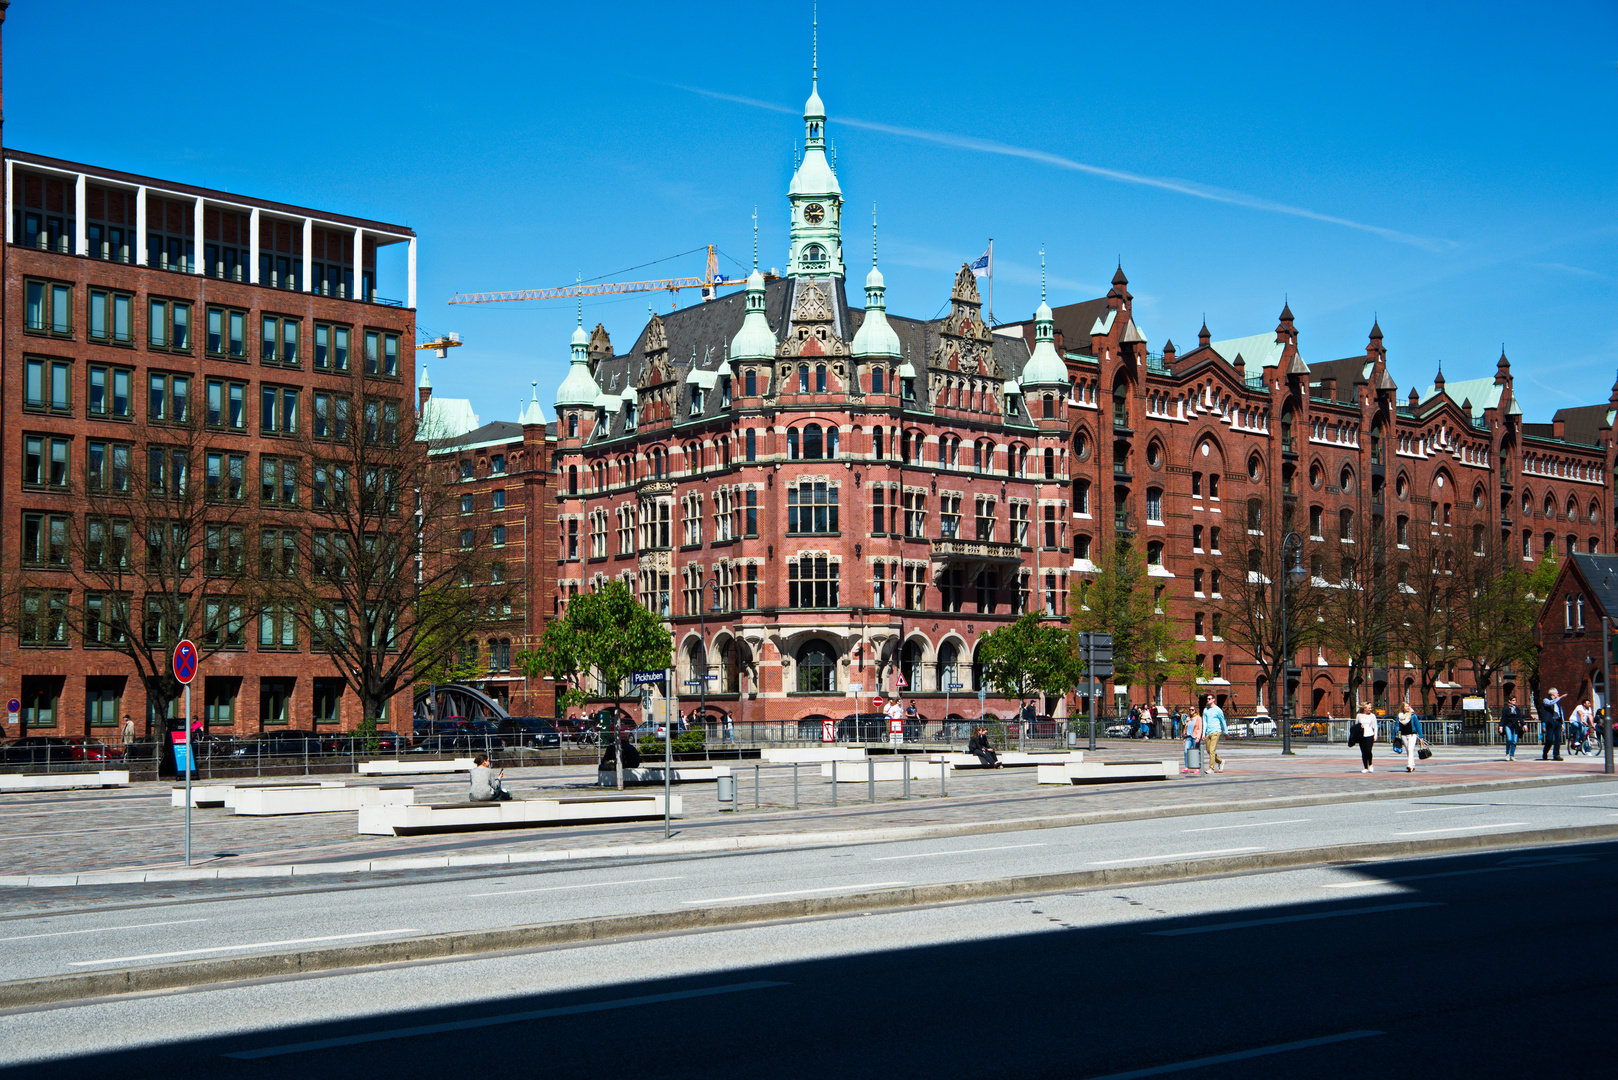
(136, 828)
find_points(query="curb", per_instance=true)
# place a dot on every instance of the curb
(468, 944)
(764, 841)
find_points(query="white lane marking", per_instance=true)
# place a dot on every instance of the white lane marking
(586, 885)
(1177, 855)
(494, 1021)
(1464, 828)
(1311, 917)
(1600, 795)
(1250, 825)
(240, 948)
(795, 892)
(1240, 1055)
(957, 851)
(100, 929)
(1430, 809)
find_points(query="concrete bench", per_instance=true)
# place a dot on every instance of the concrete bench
(515, 814)
(859, 772)
(1096, 772)
(1016, 759)
(63, 781)
(325, 799)
(217, 793)
(653, 774)
(814, 753)
(406, 767)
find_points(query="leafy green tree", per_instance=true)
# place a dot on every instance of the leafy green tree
(1027, 658)
(1496, 606)
(1118, 599)
(604, 637)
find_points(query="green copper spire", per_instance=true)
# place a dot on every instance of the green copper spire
(875, 336)
(816, 245)
(1044, 367)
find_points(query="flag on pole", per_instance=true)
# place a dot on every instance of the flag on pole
(980, 268)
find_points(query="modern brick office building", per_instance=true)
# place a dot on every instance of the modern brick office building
(136, 310)
(864, 488)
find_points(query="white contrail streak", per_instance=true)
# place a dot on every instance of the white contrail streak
(1163, 183)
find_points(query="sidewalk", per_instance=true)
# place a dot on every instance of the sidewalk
(134, 833)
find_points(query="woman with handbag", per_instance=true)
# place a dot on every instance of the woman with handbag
(1364, 733)
(1511, 725)
(1409, 736)
(1193, 739)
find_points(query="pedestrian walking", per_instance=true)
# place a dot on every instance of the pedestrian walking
(1550, 725)
(1193, 739)
(1213, 726)
(129, 731)
(1511, 725)
(1409, 734)
(730, 729)
(1175, 721)
(1362, 733)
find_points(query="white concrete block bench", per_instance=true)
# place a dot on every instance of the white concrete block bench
(860, 772)
(325, 799)
(787, 755)
(514, 814)
(653, 774)
(1016, 759)
(406, 767)
(63, 781)
(1108, 773)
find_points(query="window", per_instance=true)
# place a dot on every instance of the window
(277, 629)
(381, 421)
(331, 417)
(45, 462)
(1213, 540)
(225, 477)
(169, 326)
(985, 517)
(812, 508)
(227, 404)
(329, 486)
(751, 519)
(43, 624)
(877, 380)
(497, 499)
(1401, 531)
(1197, 581)
(1154, 506)
(752, 445)
(278, 414)
(106, 466)
(168, 398)
(381, 354)
(44, 539)
(752, 586)
(907, 387)
(915, 508)
(1317, 526)
(1255, 516)
(278, 341)
(750, 383)
(1053, 533)
(227, 333)
(1019, 523)
(331, 347)
(817, 669)
(47, 385)
(223, 549)
(49, 308)
(111, 317)
(812, 582)
(278, 552)
(1345, 526)
(105, 616)
(109, 392)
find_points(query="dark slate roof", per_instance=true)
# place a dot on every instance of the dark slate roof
(1074, 322)
(1348, 372)
(1583, 423)
(1600, 573)
(496, 431)
(702, 333)
(1543, 431)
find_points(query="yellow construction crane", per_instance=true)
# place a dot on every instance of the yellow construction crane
(709, 283)
(442, 344)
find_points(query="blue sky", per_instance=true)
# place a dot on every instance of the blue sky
(1448, 169)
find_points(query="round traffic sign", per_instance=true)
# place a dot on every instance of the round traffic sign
(185, 661)
(13, 705)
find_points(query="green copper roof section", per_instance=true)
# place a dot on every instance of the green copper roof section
(1258, 351)
(579, 389)
(1044, 367)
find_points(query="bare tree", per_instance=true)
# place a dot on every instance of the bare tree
(1355, 607)
(156, 548)
(381, 579)
(1426, 597)
(1248, 596)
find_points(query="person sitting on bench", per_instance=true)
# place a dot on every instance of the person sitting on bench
(978, 746)
(620, 747)
(487, 785)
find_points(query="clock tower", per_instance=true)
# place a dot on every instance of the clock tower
(817, 201)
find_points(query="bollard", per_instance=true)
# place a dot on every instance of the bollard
(755, 785)
(834, 781)
(870, 779)
(794, 785)
(726, 790)
(943, 777)
(907, 775)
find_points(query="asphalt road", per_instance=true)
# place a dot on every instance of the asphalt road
(133, 926)
(1463, 966)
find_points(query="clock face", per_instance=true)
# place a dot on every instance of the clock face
(814, 213)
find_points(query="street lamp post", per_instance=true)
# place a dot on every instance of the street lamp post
(702, 631)
(1292, 543)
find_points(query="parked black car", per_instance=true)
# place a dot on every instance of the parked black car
(268, 744)
(39, 750)
(530, 731)
(349, 744)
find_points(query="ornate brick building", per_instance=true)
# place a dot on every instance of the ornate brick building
(869, 493)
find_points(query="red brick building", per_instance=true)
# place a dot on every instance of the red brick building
(132, 303)
(1569, 630)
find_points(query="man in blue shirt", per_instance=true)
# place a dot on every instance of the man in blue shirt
(1550, 721)
(1213, 726)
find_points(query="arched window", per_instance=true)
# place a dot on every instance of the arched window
(1572, 508)
(817, 669)
(1050, 464)
(877, 379)
(696, 665)
(1345, 526)
(948, 661)
(1120, 404)
(910, 665)
(572, 479)
(1048, 407)
(750, 382)
(729, 668)
(811, 442)
(803, 378)
(814, 256)
(1154, 553)
(820, 378)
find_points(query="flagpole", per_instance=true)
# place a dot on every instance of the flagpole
(991, 283)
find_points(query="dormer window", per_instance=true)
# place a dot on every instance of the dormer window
(724, 391)
(907, 388)
(696, 401)
(629, 416)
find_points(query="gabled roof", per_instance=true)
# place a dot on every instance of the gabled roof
(1583, 423)
(1600, 575)
(1483, 393)
(1258, 351)
(1349, 372)
(447, 418)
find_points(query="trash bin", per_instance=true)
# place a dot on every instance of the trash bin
(727, 790)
